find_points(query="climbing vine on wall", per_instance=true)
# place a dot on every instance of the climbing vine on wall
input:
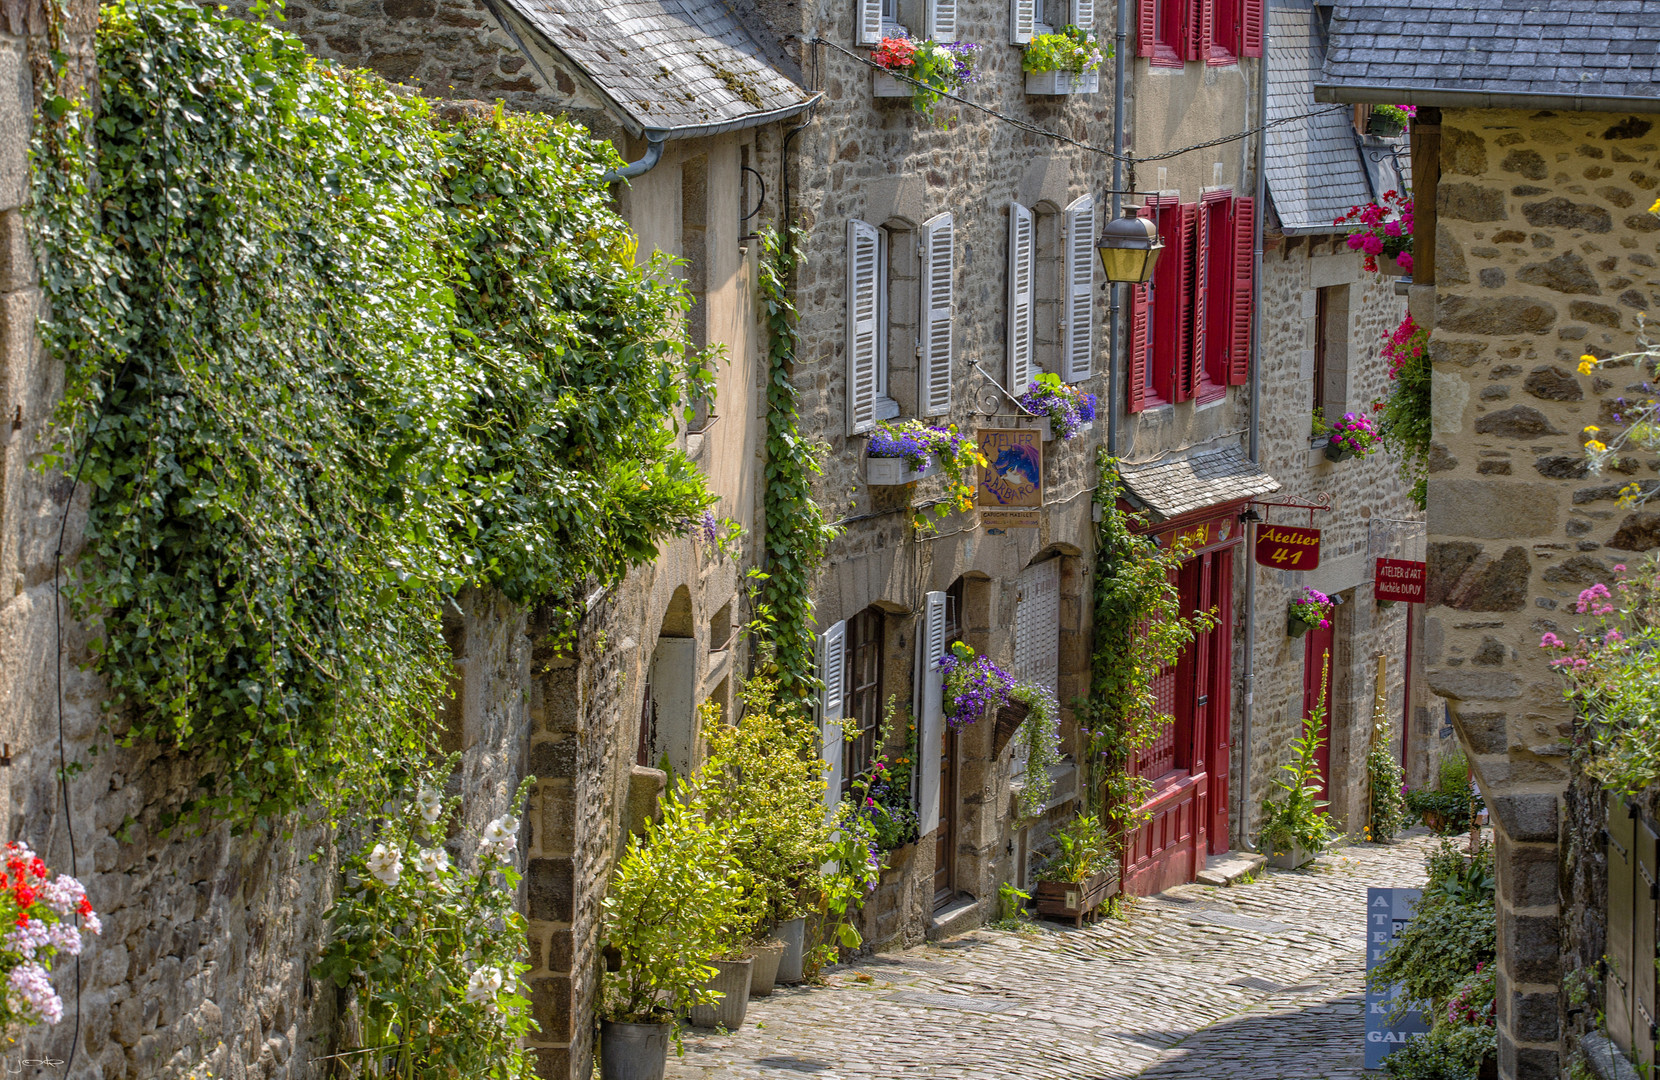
(797, 532)
(331, 359)
(1140, 629)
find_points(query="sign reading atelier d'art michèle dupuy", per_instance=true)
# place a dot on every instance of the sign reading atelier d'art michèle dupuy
(1011, 480)
(1387, 911)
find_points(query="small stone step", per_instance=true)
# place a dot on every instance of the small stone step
(1227, 868)
(960, 916)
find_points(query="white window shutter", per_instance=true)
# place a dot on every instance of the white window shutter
(1078, 350)
(869, 30)
(863, 324)
(942, 20)
(1021, 251)
(939, 267)
(930, 727)
(832, 666)
(1022, 20)
(1037, 624)
(1083, 14)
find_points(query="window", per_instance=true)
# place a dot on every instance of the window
(1169, 32)
(1029, 17)
(1331, 350)
(1190, 327)
(863, 682)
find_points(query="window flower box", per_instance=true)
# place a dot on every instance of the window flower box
(937, 68)
(1062, 82)
(889, 87)
(893, 471)
(1075, 899)
(1063, 409)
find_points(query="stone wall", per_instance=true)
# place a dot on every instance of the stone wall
(1543, 253)
(1371, 516)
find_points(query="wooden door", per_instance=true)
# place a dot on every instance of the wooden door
(1317, 647)
(1645, 911)
(945, 837)
(1618, 997)
(1220, 697)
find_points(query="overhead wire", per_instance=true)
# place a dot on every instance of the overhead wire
(1038, 129)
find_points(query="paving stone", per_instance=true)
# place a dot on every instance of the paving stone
(1259, 980)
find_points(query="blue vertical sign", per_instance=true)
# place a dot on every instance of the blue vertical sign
(1387, 910)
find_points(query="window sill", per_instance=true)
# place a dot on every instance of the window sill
(1166, 57)
(1063, 786)
(1220, 57)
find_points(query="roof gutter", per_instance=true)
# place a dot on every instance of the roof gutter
(656, 137)
(1353, 94)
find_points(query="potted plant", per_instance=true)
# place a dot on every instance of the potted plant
(973, 684)
(666, 914)
(1295, 827)
(1066, 410)
(905, 452)
(1309, 611)
(1067, 61)
(1351, 435)
(1386, 121)
(1382, 232)
(1082, 874)
(765, 780)
(881, 795)
(1446, 809)
(929, 69)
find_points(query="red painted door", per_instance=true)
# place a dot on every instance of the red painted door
(1317, 670)
(1187, 810)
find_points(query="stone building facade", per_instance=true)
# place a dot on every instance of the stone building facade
(1532, 213)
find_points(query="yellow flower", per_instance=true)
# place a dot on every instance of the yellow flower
(1591, 429)
(1587, 364)
(1595, 447)
(1655, 209)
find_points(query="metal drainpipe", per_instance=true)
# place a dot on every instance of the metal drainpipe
(1115, 291)
(1256, 435)
(654, 154)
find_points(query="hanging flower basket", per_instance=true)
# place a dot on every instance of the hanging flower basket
(1310, 611)
(1066, 410)
(1336, 451)
(1009, 719)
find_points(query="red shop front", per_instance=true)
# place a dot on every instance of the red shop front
(1186, 814)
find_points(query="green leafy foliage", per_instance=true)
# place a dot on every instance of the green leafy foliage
(1452, 802)
(1388, 809)
(1082, 851)
(1298, 816)
(666, 912)
(881, 795)
(432, 955)
(1140, 629)
(1040, 734)
(331, 360)
(798, 534)
(1452, 934)
(1403, 418)
(1071, 48)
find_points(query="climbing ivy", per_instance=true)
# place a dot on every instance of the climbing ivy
(798, 534)
(1140, 629)
(330, 360)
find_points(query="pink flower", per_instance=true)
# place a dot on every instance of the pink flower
(1619, 568)
(1371, 245)
(1551, 641)
(1392, 228)
(1404, 261)
(1325, 624)
(1611, 637)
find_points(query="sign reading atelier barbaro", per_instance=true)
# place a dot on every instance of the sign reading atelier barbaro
(1399, 579)
(1287, 547)
(1011, 480)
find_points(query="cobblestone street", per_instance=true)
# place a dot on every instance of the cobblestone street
(1257, 981)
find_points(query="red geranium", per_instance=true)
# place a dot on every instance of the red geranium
(894, 53)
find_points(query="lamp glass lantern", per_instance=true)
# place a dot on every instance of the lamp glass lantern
(1129, 248)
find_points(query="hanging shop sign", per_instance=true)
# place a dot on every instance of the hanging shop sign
(1288, 547)
(1399, 580)
(1387, 911)
(1011, 480)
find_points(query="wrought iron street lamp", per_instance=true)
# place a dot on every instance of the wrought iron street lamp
(1129, 247)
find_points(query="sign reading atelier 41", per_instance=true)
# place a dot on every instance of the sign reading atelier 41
(1287, 547)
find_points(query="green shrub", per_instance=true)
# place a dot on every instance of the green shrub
(1299, 816)
(1452, 933)
(1084, 851)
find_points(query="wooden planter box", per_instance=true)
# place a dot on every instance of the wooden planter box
(1009, 719)
(893, 471)
(1063, 82)
(1075, 900)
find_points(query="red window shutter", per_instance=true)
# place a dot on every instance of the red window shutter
(1147, 27)
(1250, 28)
(1185, 379)
(1136, 370)
(1199, 28)
(1244, 280)
(1199, 271)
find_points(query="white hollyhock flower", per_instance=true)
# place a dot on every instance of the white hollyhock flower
(499, 837)
(385, 865)
(484, 984)
(431, 804)
(432, 862)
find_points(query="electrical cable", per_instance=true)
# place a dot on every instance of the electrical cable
(1035, 129)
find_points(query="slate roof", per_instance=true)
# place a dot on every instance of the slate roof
(1174, 486)
(669, 64)
(1598, 55)
(1314, 168)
